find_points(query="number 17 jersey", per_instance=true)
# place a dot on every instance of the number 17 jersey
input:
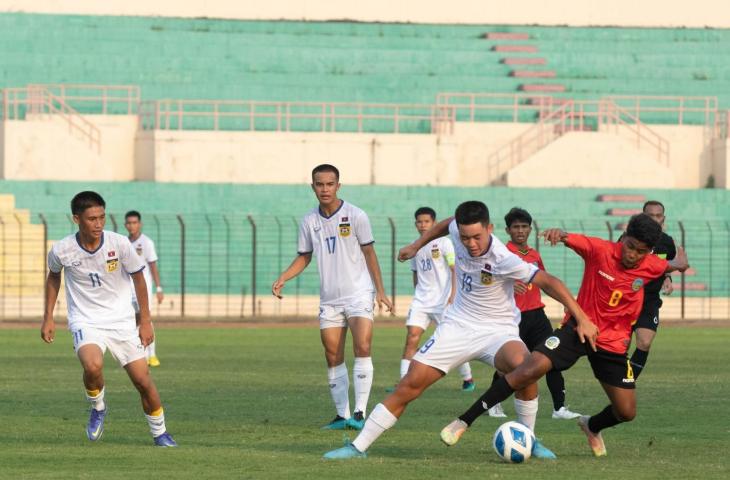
(336, 242)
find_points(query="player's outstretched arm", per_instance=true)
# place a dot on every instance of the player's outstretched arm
(295, 268)
(441, 229)
(555, 288)
(371, 260)
(554, 235)
(53, 285)
(146, 333)
(679, 263)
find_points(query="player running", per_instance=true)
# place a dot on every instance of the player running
(435, 283)
(481, 324)
(339, 235)
(611, 293)
(145, 248)
(534, 325)
(97, 265)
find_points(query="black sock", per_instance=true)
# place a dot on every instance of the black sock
(495, 377)
(500, 390)
(603, 420)
(638, 360)
(556, 385)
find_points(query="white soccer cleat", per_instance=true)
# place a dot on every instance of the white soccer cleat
(564, 414)
(497, 411)
(452, 432)
(595, 440)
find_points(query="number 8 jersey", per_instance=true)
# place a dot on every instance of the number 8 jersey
(335, 242)
(98, 290)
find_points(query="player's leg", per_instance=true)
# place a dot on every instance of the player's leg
(333, 333)
(152, 358)
(362, 369)
(496, 411)
(91, 356)
(416, 324)
(139, 374)
(644, 338)
(467, 379)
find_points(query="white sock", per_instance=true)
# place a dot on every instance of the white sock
(156, 423)
(97, 402)
(340, 389)
(404, 364)
(151, 350)
(362, 379)
(379, 421)
(526, 412)
(465, 371)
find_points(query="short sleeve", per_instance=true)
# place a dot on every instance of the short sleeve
(540, 265)
(513, 267)
(414, 264)
(448, 249)
(363, 231)
(655, 266)
(131, 262)
(54, 263)
(304, 242)
(151, 252)
(581, 244)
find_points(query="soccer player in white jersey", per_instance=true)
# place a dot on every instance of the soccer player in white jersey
(481, 324)
(97, 265)
(145, 248)
(435, 283)
(339, 235)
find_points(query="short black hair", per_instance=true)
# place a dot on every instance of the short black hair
(471, 212)
(133, 213)
(517, 214)
(643, 228)
(84, 200)
(425, 211)
(655, 203)
(326, 167)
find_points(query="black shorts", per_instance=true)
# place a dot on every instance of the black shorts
(563, 348)
(649, 316)
(535, 328)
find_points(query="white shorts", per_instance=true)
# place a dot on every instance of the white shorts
(331, 316)
(124, 345)
(453, 344)
(421, 319)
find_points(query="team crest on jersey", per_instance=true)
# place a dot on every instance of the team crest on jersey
(435, 252)
(638, 283)
(139, 250)
(344, 229)
(487, 278)
(112, 264)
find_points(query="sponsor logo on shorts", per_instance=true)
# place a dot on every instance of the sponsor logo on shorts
(606, 276)
(112, 265)
(628, 380)
(656, 320)
(552, 342)
(638, 283)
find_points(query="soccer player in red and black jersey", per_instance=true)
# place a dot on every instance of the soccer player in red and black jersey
(534, 325)
(611, 294)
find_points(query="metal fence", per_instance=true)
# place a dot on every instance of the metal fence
(222, 265)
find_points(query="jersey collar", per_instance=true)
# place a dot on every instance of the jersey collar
(321, 213)
(78, 241)
(513, 246)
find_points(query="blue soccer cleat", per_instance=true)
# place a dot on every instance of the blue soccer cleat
(95, 428)
(357, 421)
(165, 440)
(344, 453)
(338, 423)
(468, 386)
(541, 451)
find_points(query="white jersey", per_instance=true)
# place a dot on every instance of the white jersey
(97, 283)
(485, 285)
(145, 248)
(432, 265)
(335, 241)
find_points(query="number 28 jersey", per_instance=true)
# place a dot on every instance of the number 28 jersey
(336, 242)
(432, 266)
(485, 285)
(98, 290)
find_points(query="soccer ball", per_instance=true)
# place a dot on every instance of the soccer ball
(513, 442)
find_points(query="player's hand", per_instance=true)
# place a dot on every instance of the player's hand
(146, 332)
(552, 235)
(667, 286)
(587, 331)
(407, 252)
(160, 297)
(681, 261)
(276, 288)
(48, 330)
(520, 288)
(382, 299)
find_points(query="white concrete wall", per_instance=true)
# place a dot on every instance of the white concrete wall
(721, 162)
(42, 148)
(651, 13)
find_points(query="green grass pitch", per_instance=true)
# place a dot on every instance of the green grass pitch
(248, 403)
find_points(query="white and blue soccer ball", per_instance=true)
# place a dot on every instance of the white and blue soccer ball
(513, 442)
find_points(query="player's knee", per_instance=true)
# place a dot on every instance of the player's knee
(625, 412)
(362, 350)
(142, 384)
(412, 339)
(93, 368)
